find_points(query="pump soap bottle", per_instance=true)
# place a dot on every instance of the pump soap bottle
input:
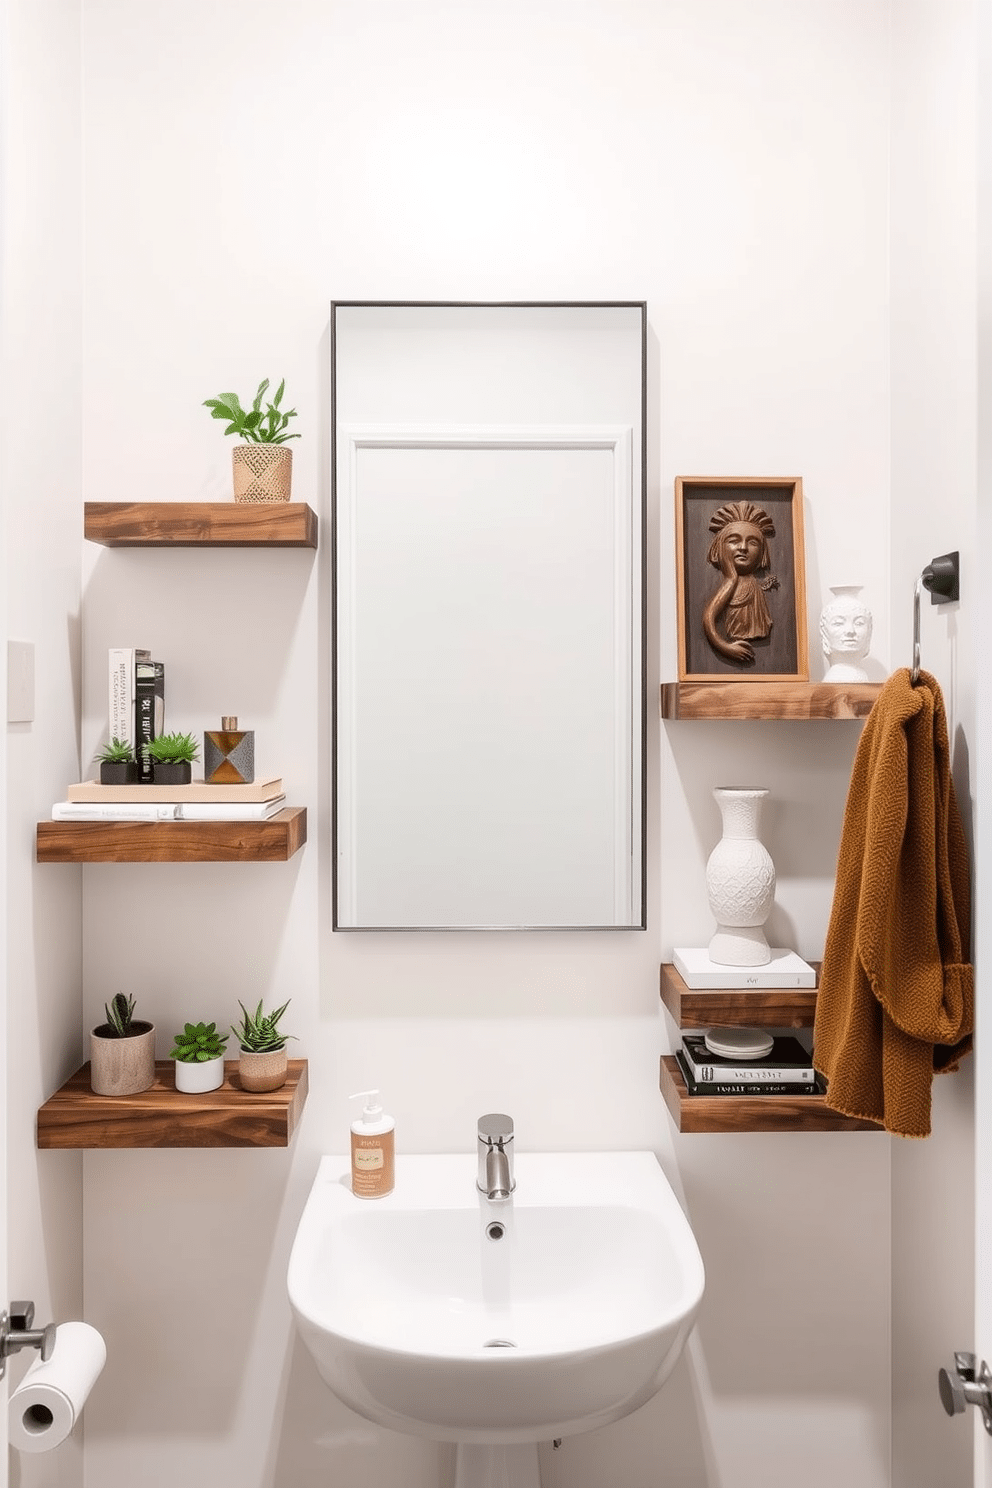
(372, 1149)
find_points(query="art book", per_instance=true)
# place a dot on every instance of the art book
(787, 1062)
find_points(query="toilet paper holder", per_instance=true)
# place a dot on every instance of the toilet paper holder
(17, 1333)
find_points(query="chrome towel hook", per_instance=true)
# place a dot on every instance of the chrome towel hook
(942, 580)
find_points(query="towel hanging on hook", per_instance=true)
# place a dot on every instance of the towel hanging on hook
(942, 580)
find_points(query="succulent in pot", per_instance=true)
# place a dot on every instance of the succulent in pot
(122, 1050)
(262, 1060)
(172, 757)
(199, 1054)
(263, 467)
(118, 765)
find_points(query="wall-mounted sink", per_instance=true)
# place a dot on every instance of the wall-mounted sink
(437, 1312)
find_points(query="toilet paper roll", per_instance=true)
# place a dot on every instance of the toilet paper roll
(45, 1406)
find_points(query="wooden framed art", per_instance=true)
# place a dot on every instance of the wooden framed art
(741, 579)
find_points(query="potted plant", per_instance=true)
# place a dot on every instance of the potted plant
(118, 765)
(199, 1056)
(263, 467)
(172, 757)
(122, 1051)
(262, 1060)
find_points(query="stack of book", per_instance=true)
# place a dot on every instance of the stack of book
(91, 801)
(787, 1069)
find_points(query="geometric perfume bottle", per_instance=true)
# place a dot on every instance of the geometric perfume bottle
(229, 754)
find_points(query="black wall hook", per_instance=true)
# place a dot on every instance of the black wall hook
(942, 578)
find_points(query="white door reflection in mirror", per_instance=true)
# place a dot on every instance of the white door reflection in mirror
(489, 692)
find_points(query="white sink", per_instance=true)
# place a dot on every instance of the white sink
(572, 1318)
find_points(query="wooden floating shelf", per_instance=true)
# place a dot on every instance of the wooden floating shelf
(274, 840)
(164, 1117)
(767, 700)
(753, 1007)
(749, 1113)
(196, 524)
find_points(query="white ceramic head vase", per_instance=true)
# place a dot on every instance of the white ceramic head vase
(845, 632)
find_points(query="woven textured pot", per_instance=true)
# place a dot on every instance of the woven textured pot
(122, 1066)
(265, 1071)
(262, 472)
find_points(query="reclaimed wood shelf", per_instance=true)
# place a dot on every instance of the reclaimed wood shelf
(200, 524)
(749, 1113)
(274, 840)
(165, 1117)
(752, 1007)
(741, 700)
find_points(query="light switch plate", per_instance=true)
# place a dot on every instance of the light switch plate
(20, 681)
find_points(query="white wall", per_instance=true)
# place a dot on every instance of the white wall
(40, 478)
(239, 175)
(933, 502)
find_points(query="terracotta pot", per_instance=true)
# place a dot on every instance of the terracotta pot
(197, 1077)
(122, 1066)
(265, 1071)
(262, 472)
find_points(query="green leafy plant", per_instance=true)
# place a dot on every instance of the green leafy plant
(117, 752)
(255, 424)
(173, 749)
(258, 1032)
(197, 1043)
(120, 1016)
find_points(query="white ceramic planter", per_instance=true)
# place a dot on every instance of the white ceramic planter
(196, 1078)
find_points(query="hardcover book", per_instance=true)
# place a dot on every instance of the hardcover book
(749, 1088)
(785, 969)
(266, 788)
(122, 662)
(787, 1063)
(149, 710)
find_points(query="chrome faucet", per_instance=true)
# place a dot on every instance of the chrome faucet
(495, 1136)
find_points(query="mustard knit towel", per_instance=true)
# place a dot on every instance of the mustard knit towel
(896, 997)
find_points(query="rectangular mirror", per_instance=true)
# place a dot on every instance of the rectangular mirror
(489, 492)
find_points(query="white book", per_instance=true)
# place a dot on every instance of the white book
(122, 661)
(229, 810)
(785, 969)
(114, 811)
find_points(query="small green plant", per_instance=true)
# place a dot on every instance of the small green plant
(255, 425)
(173, 749)
(117, 752)
(120, 1015)
(198, 1042)
(258, 1032)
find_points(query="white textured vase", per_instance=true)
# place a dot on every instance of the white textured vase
(740, 881)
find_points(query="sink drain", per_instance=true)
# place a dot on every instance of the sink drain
(499, 1343)
(495, 1230)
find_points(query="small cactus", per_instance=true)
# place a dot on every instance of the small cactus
(198, 1042)
(258, 1032)
(120, 1012)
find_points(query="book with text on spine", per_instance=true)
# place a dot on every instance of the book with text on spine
(739, 1088)
(114, 811)
(786, 1063)
(149, 710)
(122, 662)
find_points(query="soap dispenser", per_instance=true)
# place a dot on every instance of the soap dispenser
(372, 1149)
